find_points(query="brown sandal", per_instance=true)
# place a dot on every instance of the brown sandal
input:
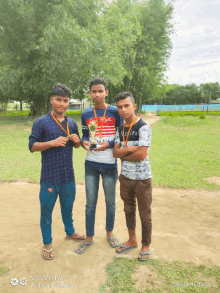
(78, 237)
(48, 255)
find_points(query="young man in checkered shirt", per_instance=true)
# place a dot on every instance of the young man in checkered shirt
(55, 135)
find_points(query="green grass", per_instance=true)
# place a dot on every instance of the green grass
(188, 113)
(73, 112)
(159, 276)
(16, 159)
(184, 151)
(26, 112)
(3, 270)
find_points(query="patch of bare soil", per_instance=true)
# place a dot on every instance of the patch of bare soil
(185, 227)
(23, 180)
(214, 179)
(150, 117)
(145, 278)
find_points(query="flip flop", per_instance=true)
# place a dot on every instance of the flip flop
(49, 255)
(113, 242)
(144, 253)
(85, 246)
(79, 237)
(124, 246)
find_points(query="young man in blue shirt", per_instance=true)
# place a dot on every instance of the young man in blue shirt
(100, 161)
(55, 135)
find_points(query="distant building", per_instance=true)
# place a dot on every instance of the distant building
(78, 105)
(215, 101)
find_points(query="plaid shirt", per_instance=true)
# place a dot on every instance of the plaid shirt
(57, 164)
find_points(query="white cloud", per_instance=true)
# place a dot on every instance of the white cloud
(196, 55)
(207, 73)
(199, 29)
(205, 61)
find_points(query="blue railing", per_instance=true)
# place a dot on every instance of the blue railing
(164, 108)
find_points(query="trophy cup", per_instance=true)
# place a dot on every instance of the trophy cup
(92, 128)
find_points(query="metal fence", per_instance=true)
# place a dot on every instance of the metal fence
(169, 108)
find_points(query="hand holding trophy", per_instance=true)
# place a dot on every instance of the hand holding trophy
(92, 128)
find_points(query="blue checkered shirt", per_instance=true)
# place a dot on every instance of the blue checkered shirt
(57, 164)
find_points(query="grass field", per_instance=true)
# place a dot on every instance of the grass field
(184, 151)
(188, 113)
(127, 275)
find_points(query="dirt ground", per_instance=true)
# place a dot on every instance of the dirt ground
(185, 227)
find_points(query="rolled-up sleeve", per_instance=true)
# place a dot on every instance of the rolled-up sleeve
(36, 133)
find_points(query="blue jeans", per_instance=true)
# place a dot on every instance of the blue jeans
(109, 179)
(48, 197)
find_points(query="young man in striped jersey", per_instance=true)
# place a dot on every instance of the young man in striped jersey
(100, 161)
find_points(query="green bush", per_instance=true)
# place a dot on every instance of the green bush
(73, 112)
(187, 113)
(18, 113)
(12, 113)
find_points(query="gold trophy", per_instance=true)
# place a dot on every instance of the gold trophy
(92, 128)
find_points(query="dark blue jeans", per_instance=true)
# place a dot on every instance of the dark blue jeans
(48, 197)
(109, 179)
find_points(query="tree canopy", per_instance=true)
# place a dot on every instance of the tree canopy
(189, 94)
(47, 41)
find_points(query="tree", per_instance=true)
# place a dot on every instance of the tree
(152, 49)
(43, 42)
(210, 91)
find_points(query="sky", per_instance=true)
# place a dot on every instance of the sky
(195, 55)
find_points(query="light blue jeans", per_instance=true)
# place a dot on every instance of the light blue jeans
(109, 179)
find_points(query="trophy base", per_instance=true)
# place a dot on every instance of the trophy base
(93, 146)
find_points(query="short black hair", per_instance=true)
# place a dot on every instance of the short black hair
(60, 89)
(124, 95)
(96, 81)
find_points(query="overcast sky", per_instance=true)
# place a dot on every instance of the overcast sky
(196, 44)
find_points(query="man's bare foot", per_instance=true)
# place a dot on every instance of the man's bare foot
(84, 245)
(47, 252)
(112, 239)
(145, 253)
(76, 237)
(110, 234)
(125, 246)
(145, 248)
(87, 240)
